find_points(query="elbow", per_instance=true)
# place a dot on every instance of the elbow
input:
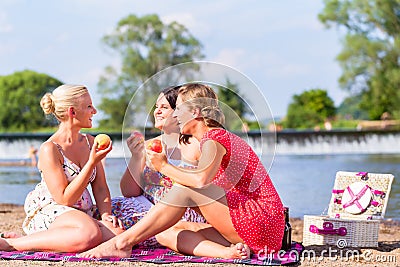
(62, 199)
(129, 187)
(65, 202)
(129, 190)
(201, 182)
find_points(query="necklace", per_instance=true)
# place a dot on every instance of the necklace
(169, 155)
(169, 150)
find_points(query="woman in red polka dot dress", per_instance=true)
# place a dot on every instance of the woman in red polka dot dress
(230, 187)
(256, 213)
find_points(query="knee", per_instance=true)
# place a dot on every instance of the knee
(164, 237)
(88, 235)
(108, 230)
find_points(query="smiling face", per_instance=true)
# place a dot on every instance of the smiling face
(85, 111)
(163, 119)
(183, 115)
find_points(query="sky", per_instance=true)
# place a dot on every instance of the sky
(279, 45)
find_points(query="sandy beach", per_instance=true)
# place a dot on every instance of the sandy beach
(387, 254)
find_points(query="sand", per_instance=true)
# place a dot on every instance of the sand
(387, 254)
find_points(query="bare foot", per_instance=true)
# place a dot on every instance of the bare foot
(5, 246)
(107, 250)
(239, 251)
(10, 235)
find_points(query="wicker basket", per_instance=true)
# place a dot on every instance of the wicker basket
(345, 229)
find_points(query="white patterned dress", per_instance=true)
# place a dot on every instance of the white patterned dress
(40, 207)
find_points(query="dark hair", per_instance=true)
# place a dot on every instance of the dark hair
(171, 94)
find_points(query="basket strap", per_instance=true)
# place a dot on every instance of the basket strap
(354, 198)
(337, 191)
(373, 191)
(375, 203)
(378, 193)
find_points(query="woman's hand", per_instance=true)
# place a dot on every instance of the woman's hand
(157, 160)
(113, 219)
(96, 154)
(135, 144)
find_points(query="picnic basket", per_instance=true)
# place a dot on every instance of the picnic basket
(357, 205)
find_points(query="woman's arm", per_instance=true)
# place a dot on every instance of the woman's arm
(190, 153)
(209, 163)
(101, 192)
(132, 177)
(50, 164)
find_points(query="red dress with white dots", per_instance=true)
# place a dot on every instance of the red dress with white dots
(254, 205)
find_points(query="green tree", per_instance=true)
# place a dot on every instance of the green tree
(350, 109)
(20, 95)
(146, 46)
(371, 51)
(309, 109)
(229, 94)
(235, 107)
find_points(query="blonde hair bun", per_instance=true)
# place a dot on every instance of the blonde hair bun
(63, 97)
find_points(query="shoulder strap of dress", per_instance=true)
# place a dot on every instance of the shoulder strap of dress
(59, 148)
(87, 141)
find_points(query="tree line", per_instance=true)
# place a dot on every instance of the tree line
(369, 61)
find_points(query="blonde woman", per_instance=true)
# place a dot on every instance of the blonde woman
(60, 208)
(231, 188)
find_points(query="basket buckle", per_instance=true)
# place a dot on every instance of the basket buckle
(364, 175)
(328, 229)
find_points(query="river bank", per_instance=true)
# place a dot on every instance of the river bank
(387, 254)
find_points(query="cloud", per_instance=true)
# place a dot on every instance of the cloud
(276, 66)
(278, 44)
(232, 57)
(5, 26)
(6, 49)
(89, 77)
(251, 62)
(62, 37)
(302, 16)
(195, 26)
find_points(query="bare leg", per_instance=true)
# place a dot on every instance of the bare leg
(159, 218)
(201, 239)
(162, 216)
(108, 231)
(72, 231)
(216, 239)
(217, 215)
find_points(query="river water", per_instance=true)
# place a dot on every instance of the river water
(304, 182)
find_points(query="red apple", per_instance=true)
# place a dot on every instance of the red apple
(138, 135)
(155, 146)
